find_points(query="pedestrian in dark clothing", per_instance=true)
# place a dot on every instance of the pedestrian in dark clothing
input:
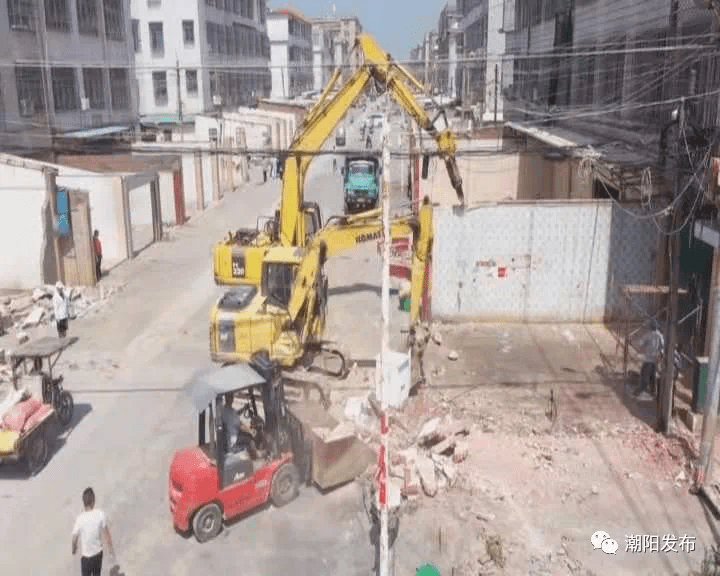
(89, 531)
(97, 245)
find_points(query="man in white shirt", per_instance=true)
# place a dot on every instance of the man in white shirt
(90, 528)
(61, 307)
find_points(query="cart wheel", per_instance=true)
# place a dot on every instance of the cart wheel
(207, 522)
(285, 484)
(36, 453)
(65, 407)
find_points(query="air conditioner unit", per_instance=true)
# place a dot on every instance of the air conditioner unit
(27, 107)
(84, 104)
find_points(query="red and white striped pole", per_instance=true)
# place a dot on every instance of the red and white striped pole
(385, 310)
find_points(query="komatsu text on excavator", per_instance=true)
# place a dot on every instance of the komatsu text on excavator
(239, 258)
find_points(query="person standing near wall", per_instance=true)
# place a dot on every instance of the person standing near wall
(61, 307)
(97, 245)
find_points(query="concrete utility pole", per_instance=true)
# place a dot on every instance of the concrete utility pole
(385, 568)
(703, 470)
(666, 397)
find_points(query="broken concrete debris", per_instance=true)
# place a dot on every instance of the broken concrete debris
(426, 470)
(28, 310)
(34, 318)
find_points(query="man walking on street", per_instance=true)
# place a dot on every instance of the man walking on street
(97, 245)
(61, 307)
(90, 529)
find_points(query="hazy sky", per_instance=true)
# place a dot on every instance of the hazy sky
(398, 25)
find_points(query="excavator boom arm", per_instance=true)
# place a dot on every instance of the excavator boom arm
(337, 238)
(323, 118)
(309, 141)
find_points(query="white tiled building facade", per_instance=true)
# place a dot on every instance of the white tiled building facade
(66, 66)
(291, 52)
(219, 47)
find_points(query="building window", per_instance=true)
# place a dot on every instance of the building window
(262, 11)
(229, 43)
(191, 82)
(64, 89)
(221, 39)
(136, 34)
(237, 38)
(212, 42)
(210, 2)
(87, 17)
(188, 32)
(237, 6)
(160, 88)
(94, 89)
(251, 9)
(213, 83)
(157, 42)
(21, 14)
(29, 83)
(57, 16)
(114, 19)
(154, 3)
(120, 88)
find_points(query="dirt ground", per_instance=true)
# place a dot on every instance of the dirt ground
(535, 484)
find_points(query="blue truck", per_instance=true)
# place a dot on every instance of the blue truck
(361, 182)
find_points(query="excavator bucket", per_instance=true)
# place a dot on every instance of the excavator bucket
(337, 455)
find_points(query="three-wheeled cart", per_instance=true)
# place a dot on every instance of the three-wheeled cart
(32, 444)
(39, 357)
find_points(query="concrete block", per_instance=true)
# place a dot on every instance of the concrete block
(426, 470)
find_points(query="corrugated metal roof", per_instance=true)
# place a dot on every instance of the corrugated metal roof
(97, 132)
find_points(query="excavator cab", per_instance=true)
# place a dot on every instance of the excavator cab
(239, 258)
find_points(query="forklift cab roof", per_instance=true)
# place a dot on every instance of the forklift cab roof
(214, 382)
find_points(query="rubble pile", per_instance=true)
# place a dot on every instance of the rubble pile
(29, 310)
(669, 457)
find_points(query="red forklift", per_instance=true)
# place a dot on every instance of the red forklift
(213, 482)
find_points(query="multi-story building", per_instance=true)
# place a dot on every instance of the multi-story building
(450, 45)
(484, 67)
(322, 57)
(612, 76)
(199, 56)
(341, 33)
(67, 66)
(291, 52)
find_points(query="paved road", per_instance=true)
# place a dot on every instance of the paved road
(129, 373)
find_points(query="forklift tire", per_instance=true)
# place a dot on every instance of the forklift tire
(207, 522)
(285, 483)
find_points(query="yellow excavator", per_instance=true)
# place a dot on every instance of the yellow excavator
(285, 317)
(241, 256)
